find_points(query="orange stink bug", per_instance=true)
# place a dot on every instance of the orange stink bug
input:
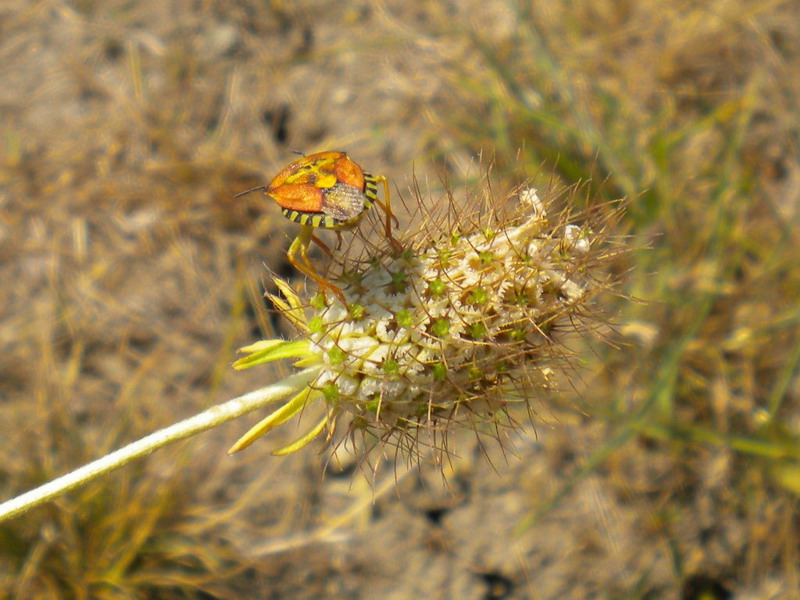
(327, 190)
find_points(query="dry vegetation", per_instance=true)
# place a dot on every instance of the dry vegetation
(130, 276)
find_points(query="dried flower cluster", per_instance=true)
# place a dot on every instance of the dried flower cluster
(447, 334)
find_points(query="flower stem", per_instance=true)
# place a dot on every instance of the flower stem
(216, 415)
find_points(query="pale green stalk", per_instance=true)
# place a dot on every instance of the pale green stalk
(216, 415)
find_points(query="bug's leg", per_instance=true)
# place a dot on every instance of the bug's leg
(323, 246)
(387, 209)
(300, 244)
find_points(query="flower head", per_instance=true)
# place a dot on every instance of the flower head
(450, 333)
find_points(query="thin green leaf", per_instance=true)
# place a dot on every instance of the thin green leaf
(283, 414)
(303, 441)
(272, 350)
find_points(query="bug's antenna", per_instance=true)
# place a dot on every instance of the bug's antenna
(244, 193)
(298, 152)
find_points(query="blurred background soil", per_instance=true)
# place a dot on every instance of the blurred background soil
(130, 276)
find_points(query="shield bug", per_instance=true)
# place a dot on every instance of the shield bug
(327, 190)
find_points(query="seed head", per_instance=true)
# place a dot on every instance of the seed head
(450, 333)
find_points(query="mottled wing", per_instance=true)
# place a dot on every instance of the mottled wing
(343, 202)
